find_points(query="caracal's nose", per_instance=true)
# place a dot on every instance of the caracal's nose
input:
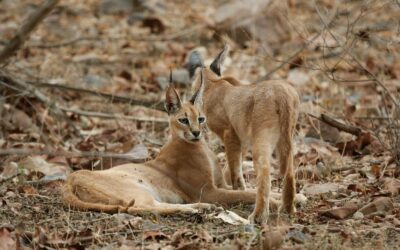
(196, 133)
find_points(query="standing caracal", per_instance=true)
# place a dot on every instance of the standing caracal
(185, 171)
(259, 117)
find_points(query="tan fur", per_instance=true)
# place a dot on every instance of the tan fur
(185, 171)
(259, 117)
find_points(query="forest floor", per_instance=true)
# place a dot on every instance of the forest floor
(102, 67)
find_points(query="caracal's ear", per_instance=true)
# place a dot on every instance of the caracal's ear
(194, 62)
(216, 65)
(197, 98)
(172, 100)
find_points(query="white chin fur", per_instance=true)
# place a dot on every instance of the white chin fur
(189, 138)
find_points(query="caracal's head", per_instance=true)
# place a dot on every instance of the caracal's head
(187, 121)
(211, 73)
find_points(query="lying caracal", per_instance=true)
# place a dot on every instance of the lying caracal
(185, 171)
(257, 117)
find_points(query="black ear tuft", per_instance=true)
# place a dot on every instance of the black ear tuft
(170, 77)
(216, 65)
(197, 98)
(172, 100)
(194, 62)
(215, 68)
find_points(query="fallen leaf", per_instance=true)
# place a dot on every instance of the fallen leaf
(355, 187)
(135, 222)
(179, 235)
(340, 213)
(231, 218)
(125, 245)
(355, 147)
(204, 236)
(376, 170)
(315, 189)
(358, 216)
(154, 24)
(297, 236)
(349, 148)
(392, 185)
(6, 240)
(381, 204)
(307, 173)
(27, 189)
(186, 238)
(9, 171)
(40, 236)
(155, 235)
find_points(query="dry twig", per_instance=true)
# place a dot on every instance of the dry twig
(114, 116)
(339, 125)
(113, 98)
(24, 31)
(185, 32)
(70, 154)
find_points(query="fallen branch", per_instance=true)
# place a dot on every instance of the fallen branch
(342, 169)
(169, 37)
(65, 43)
(70, 154)
(24, 31)
(339, 125)
(114, 98)
(114, 116)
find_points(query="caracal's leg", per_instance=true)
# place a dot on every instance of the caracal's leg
(167, 208)
(285, 153)
(264, 141)
(228, 197)
(226, 172)
(220, 176)
(233, 151)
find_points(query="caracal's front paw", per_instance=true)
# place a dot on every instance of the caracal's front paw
(207, 207)
(239, 184)
(259, 217)
(288, 208)
(190, 211)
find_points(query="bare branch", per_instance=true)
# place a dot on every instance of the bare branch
(24, 31)
(70, 154)
(183, 33)
(114, 116)
(339, 125)
(113, 98)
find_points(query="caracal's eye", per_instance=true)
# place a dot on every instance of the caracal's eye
(202, 119)
(184, 121)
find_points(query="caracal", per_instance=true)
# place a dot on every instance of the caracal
(258, 117)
